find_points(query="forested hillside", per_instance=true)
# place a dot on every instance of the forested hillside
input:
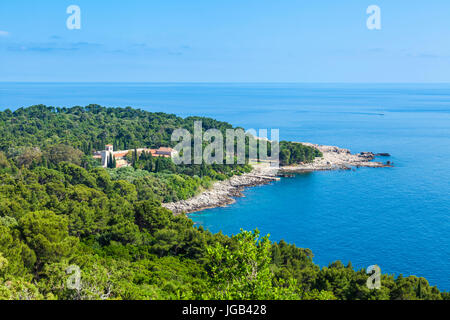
(91, 127)
(59, 209)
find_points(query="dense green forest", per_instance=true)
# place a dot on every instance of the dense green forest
(293, 153)
(60, 211)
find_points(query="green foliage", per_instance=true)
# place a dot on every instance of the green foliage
(64, 153)
(92, 127)
(48, 236)
(295, 153)
(25, 156)
(58, 210)
(244, 272)
(20, 289)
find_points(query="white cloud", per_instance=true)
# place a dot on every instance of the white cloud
(4, 33)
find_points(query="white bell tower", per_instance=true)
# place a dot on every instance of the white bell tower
(109, 149)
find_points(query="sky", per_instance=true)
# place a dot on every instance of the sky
(225, 41)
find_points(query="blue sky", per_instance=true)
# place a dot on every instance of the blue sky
(225, 41)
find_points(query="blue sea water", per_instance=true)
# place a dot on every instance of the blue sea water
(398, 218)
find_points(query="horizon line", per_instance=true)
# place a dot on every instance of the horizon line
(229, 82)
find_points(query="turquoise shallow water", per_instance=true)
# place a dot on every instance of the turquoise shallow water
(398, 218)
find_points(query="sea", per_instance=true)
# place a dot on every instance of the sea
(397, 218)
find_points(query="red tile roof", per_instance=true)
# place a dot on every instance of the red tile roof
(120, 154)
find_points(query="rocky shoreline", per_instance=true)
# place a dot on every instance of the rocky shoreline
(223, 193)
(335, 158)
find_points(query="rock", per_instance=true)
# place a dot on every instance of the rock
(223, 193)
(335, 158)
(368, 155)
